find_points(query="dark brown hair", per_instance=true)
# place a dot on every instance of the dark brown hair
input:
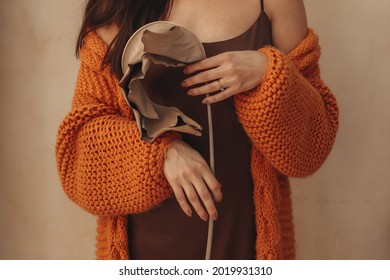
(128, 16)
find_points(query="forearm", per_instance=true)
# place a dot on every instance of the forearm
(292, 117)
(103, 164)
(106, 169)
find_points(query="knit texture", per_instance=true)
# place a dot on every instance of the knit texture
(104, 167)
(292, 120)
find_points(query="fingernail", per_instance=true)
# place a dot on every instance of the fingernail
(185, 71)
(215, 216)
(205, 217)
(188, 212)
(184, 84)
(204, 101)
(190, 92)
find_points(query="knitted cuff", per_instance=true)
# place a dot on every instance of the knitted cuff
(273, 82)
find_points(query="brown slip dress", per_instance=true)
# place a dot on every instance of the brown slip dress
(166, 232)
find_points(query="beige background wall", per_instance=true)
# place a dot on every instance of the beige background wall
(341, 212)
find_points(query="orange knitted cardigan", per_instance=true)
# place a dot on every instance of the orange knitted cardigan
(104, 167)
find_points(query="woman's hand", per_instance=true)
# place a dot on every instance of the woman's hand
(190, 176)
(229, 73)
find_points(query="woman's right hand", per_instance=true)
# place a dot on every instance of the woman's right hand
(191, 178)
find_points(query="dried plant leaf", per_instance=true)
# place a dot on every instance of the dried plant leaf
(176, 47)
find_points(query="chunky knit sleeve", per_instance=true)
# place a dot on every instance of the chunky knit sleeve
(292, 116)
(103, 164)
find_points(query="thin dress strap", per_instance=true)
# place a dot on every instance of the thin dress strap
(262, 4)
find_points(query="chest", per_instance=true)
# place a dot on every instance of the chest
(215, 20)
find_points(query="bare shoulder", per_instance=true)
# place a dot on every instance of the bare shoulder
(289, 23)
(107, 33)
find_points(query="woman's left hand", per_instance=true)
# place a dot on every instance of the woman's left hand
(228, 74)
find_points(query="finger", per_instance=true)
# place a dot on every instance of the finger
(208, 88)
(203, 77)
(205, 196)
(207, 63)
(194, 200)
(181, 199)
(218, 96)
(213, 185)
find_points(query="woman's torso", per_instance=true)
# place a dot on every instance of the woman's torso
(166, 232)
(217, 20)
